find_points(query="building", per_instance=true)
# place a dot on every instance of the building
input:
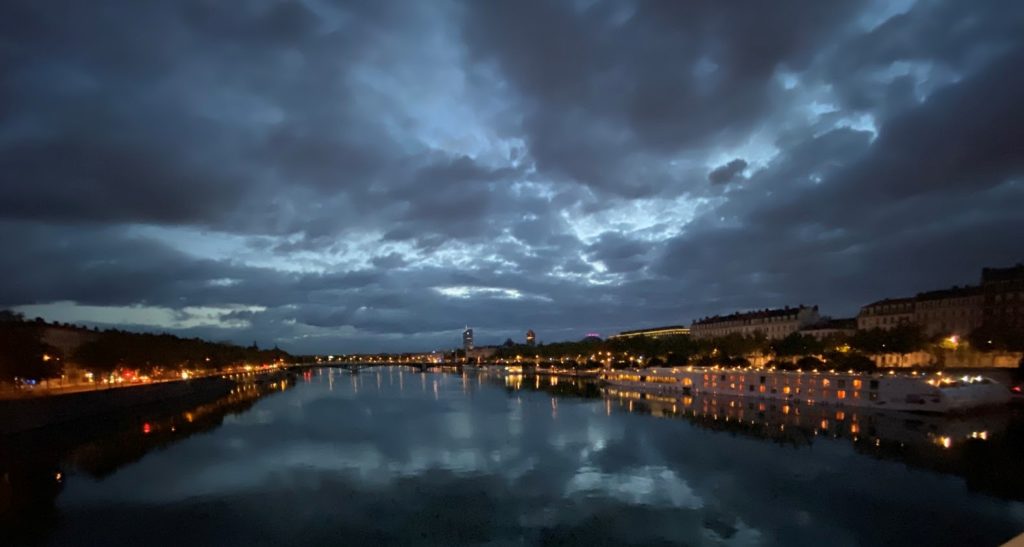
(481, 354)
(657, 332)
(467, 339)
(998, 303)
(531, 338)
(774, 324)
(830, 328)
(887, 314)
(1002, 298)
(948, 312)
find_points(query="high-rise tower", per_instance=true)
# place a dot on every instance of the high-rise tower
(467, 339)
(531, 338)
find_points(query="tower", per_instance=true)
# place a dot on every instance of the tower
(531, 338)
(467, 339)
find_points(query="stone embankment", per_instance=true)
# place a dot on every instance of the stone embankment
(19, 415)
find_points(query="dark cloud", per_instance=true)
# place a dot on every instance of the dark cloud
(332, 175)
(727, 172)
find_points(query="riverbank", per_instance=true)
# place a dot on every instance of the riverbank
(20, 415)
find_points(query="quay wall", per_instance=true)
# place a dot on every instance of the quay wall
(20, 415)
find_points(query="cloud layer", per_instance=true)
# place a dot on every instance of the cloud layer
(353, 177)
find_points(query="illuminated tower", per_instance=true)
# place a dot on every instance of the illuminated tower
(467, 339)
(531, 338)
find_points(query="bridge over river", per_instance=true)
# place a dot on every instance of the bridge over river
(421, 366)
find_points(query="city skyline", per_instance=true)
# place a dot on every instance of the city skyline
(372, 177)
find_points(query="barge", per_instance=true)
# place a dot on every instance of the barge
(904, 392)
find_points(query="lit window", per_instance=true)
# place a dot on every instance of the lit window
(824, 382)
(857, 383)
(841, 394)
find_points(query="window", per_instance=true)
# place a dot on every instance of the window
(762, 380)
(873, 384)
(723, 378)
(824, 382)
(857, 383)
(873, 395)
(841, 394)
(751, 387)
(841, 383)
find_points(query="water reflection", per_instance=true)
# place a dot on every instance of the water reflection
(35, 467)
(984, 448)
(362, 458)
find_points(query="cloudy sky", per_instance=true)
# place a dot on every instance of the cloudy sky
(376, 175)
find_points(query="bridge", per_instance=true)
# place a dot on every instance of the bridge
(421, 366)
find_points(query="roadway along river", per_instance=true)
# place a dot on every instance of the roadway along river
(394, 456)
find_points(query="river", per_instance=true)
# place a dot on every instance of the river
(392, 456)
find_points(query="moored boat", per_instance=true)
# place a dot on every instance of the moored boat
(905, 392)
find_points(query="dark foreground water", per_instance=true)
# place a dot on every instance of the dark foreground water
(393, 456)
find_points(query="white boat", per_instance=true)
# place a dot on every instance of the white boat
(907, 392)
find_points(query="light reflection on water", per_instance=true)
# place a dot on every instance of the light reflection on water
(394, 456)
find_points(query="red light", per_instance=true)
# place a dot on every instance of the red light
(146, 428)
(1016, 389)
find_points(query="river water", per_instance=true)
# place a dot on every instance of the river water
(396, 456)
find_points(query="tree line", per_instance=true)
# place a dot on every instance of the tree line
(24, 353)
(838, 351)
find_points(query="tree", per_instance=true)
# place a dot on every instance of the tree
(23, 354)
(901, 339)
(8, 316)
(796, 344)
(996, 338)
(850, 361)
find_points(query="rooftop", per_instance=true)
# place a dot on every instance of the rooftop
(884, 301)
(756, 314)
(1002, 274)
(952, 292)
(841, 323)
(654, 330)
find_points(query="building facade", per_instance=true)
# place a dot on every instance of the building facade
(1002, 298)
(887, 314)
(949, 312)
(998, 303)
(774, 324)
(481, 354)
(657, 332)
